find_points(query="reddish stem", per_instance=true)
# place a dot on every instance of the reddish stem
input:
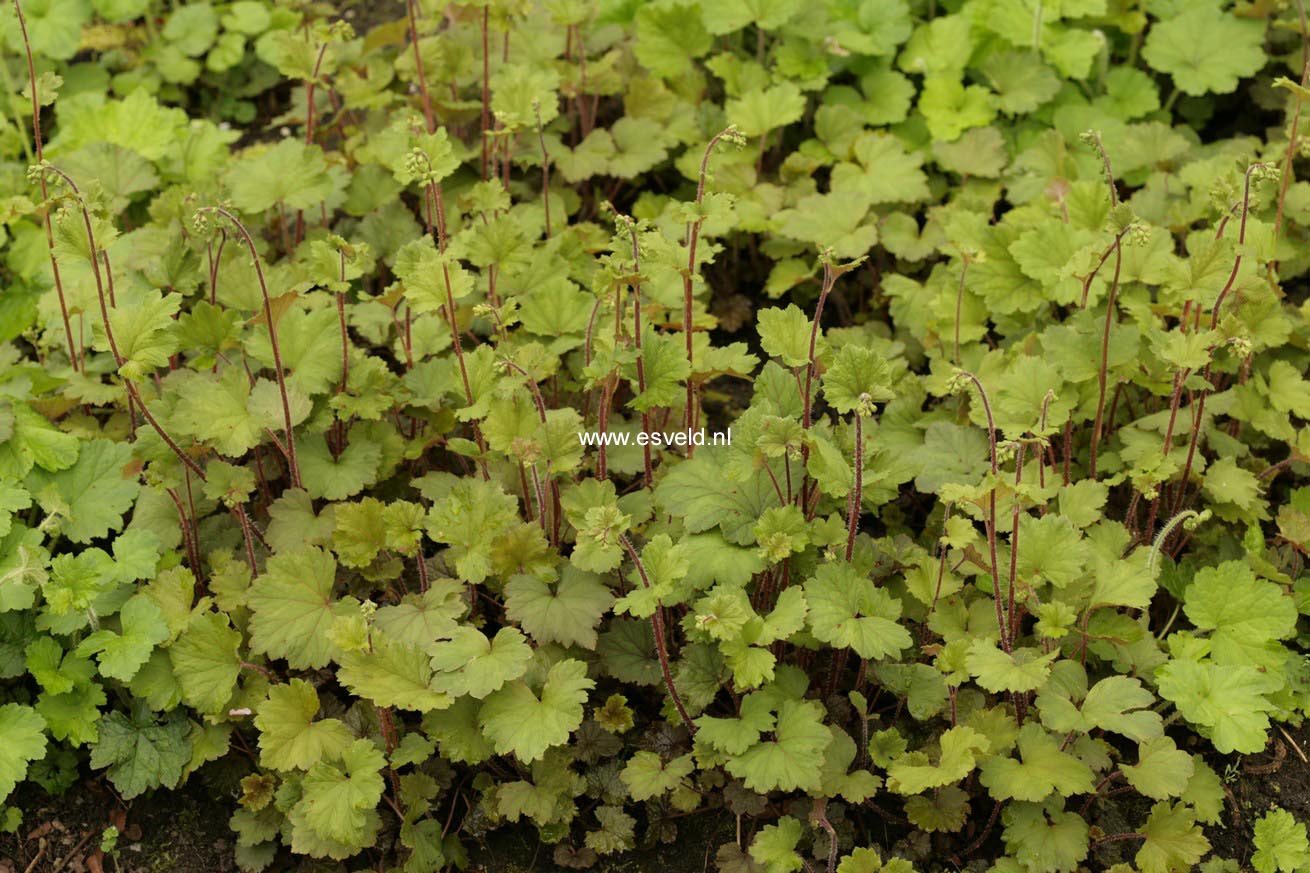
(661, 647)
(1199, 415)
(688, 295)
(486, 75)
(45, 194)
(1001, 623)
(857, 491)
(418, 66)
(293, 464)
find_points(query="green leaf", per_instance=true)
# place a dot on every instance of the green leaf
(839, 780)
(913, 772)
(457, 733)
(517, 720)
(1045, 837)
(293, 608)
(1052, 551)
(1024, 669)
(774, 847)
(246, 16)
(22, 740)
(1174, 841)
(424, 271)
(1081, 502)
(290, 173)
(192, 28)
(785, 334)
(470, 519)
(666, 368)
(730, 15)
(360, 531)
(217, 409)
(733, 736)
(1021, 82)
(669, 37)
(836, 220)
(1117, 703)
(700, 493)
(943, 44)
(567, 612)
(338, 795)
(1288, 390)
(888, 173)
(77, 580)
(310, 342)
(950, 107)
(140, 752)
(1280, 843)
(1227, 703)
(1206, 50)
(394, 674)
(229, 484)
(289, 738)
(138, 122)
(23, 567)
(1162, 769)
(1227, 483)
(144, 332)
(206, 662)
(122, 654)
(469, 663)
(54, 669)
(96, 490)
(793, 758)
(343, 476)
(422, 619)
(858, 378)
(847, 609)
(1042, 768)
(616, 833)
(647, 775)
(1247, 616)
(54, 28)
(761, 110)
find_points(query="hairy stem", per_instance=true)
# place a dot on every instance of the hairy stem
(436, 219)
(240, 513)
(1014, 539)
(545, 171)
(661, 646)
(310, 120)
(647, 473)
(1001, 623)
(486, 92)
(1296, 119)
(857, 488)
(412, 7)
(45, 194)
(688, 292)
(1199, 416)
(287, 427)
(959, 305)
(1105, 358)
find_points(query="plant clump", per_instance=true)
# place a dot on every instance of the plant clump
(340, 366)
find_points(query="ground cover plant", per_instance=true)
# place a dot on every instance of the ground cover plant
(305, 323)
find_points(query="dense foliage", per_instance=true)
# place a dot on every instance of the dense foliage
(1004, 304)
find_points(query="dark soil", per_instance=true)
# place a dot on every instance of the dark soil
(516, 850)
(1279, 777)
(183, 831)
(1253, 784)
